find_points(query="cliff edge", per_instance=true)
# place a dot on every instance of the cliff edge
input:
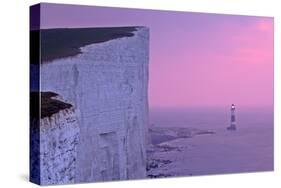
(106, 83)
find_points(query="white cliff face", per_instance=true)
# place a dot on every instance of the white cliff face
(54, 139)
(107, 84)
(59, 137)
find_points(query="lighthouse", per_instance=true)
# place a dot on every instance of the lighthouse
(232, 126)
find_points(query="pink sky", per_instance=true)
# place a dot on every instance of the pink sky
(195, 59)
(231, 64)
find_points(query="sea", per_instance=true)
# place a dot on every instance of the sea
(248, 149)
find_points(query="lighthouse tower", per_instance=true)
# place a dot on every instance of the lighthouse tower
(232, 119)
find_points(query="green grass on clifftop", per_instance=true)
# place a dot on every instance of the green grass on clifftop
(61, 43)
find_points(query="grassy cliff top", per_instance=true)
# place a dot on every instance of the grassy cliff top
(61, 43)
(49, 106)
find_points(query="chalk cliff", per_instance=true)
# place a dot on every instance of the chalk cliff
(54, 140)
(106, 84)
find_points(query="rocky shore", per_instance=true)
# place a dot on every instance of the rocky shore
(162, 143)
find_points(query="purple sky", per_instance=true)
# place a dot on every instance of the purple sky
(195, 59)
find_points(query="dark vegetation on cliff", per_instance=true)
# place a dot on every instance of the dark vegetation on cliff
(48, 105)
(66, 42)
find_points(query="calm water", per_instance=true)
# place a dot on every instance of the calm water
(248, 149)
